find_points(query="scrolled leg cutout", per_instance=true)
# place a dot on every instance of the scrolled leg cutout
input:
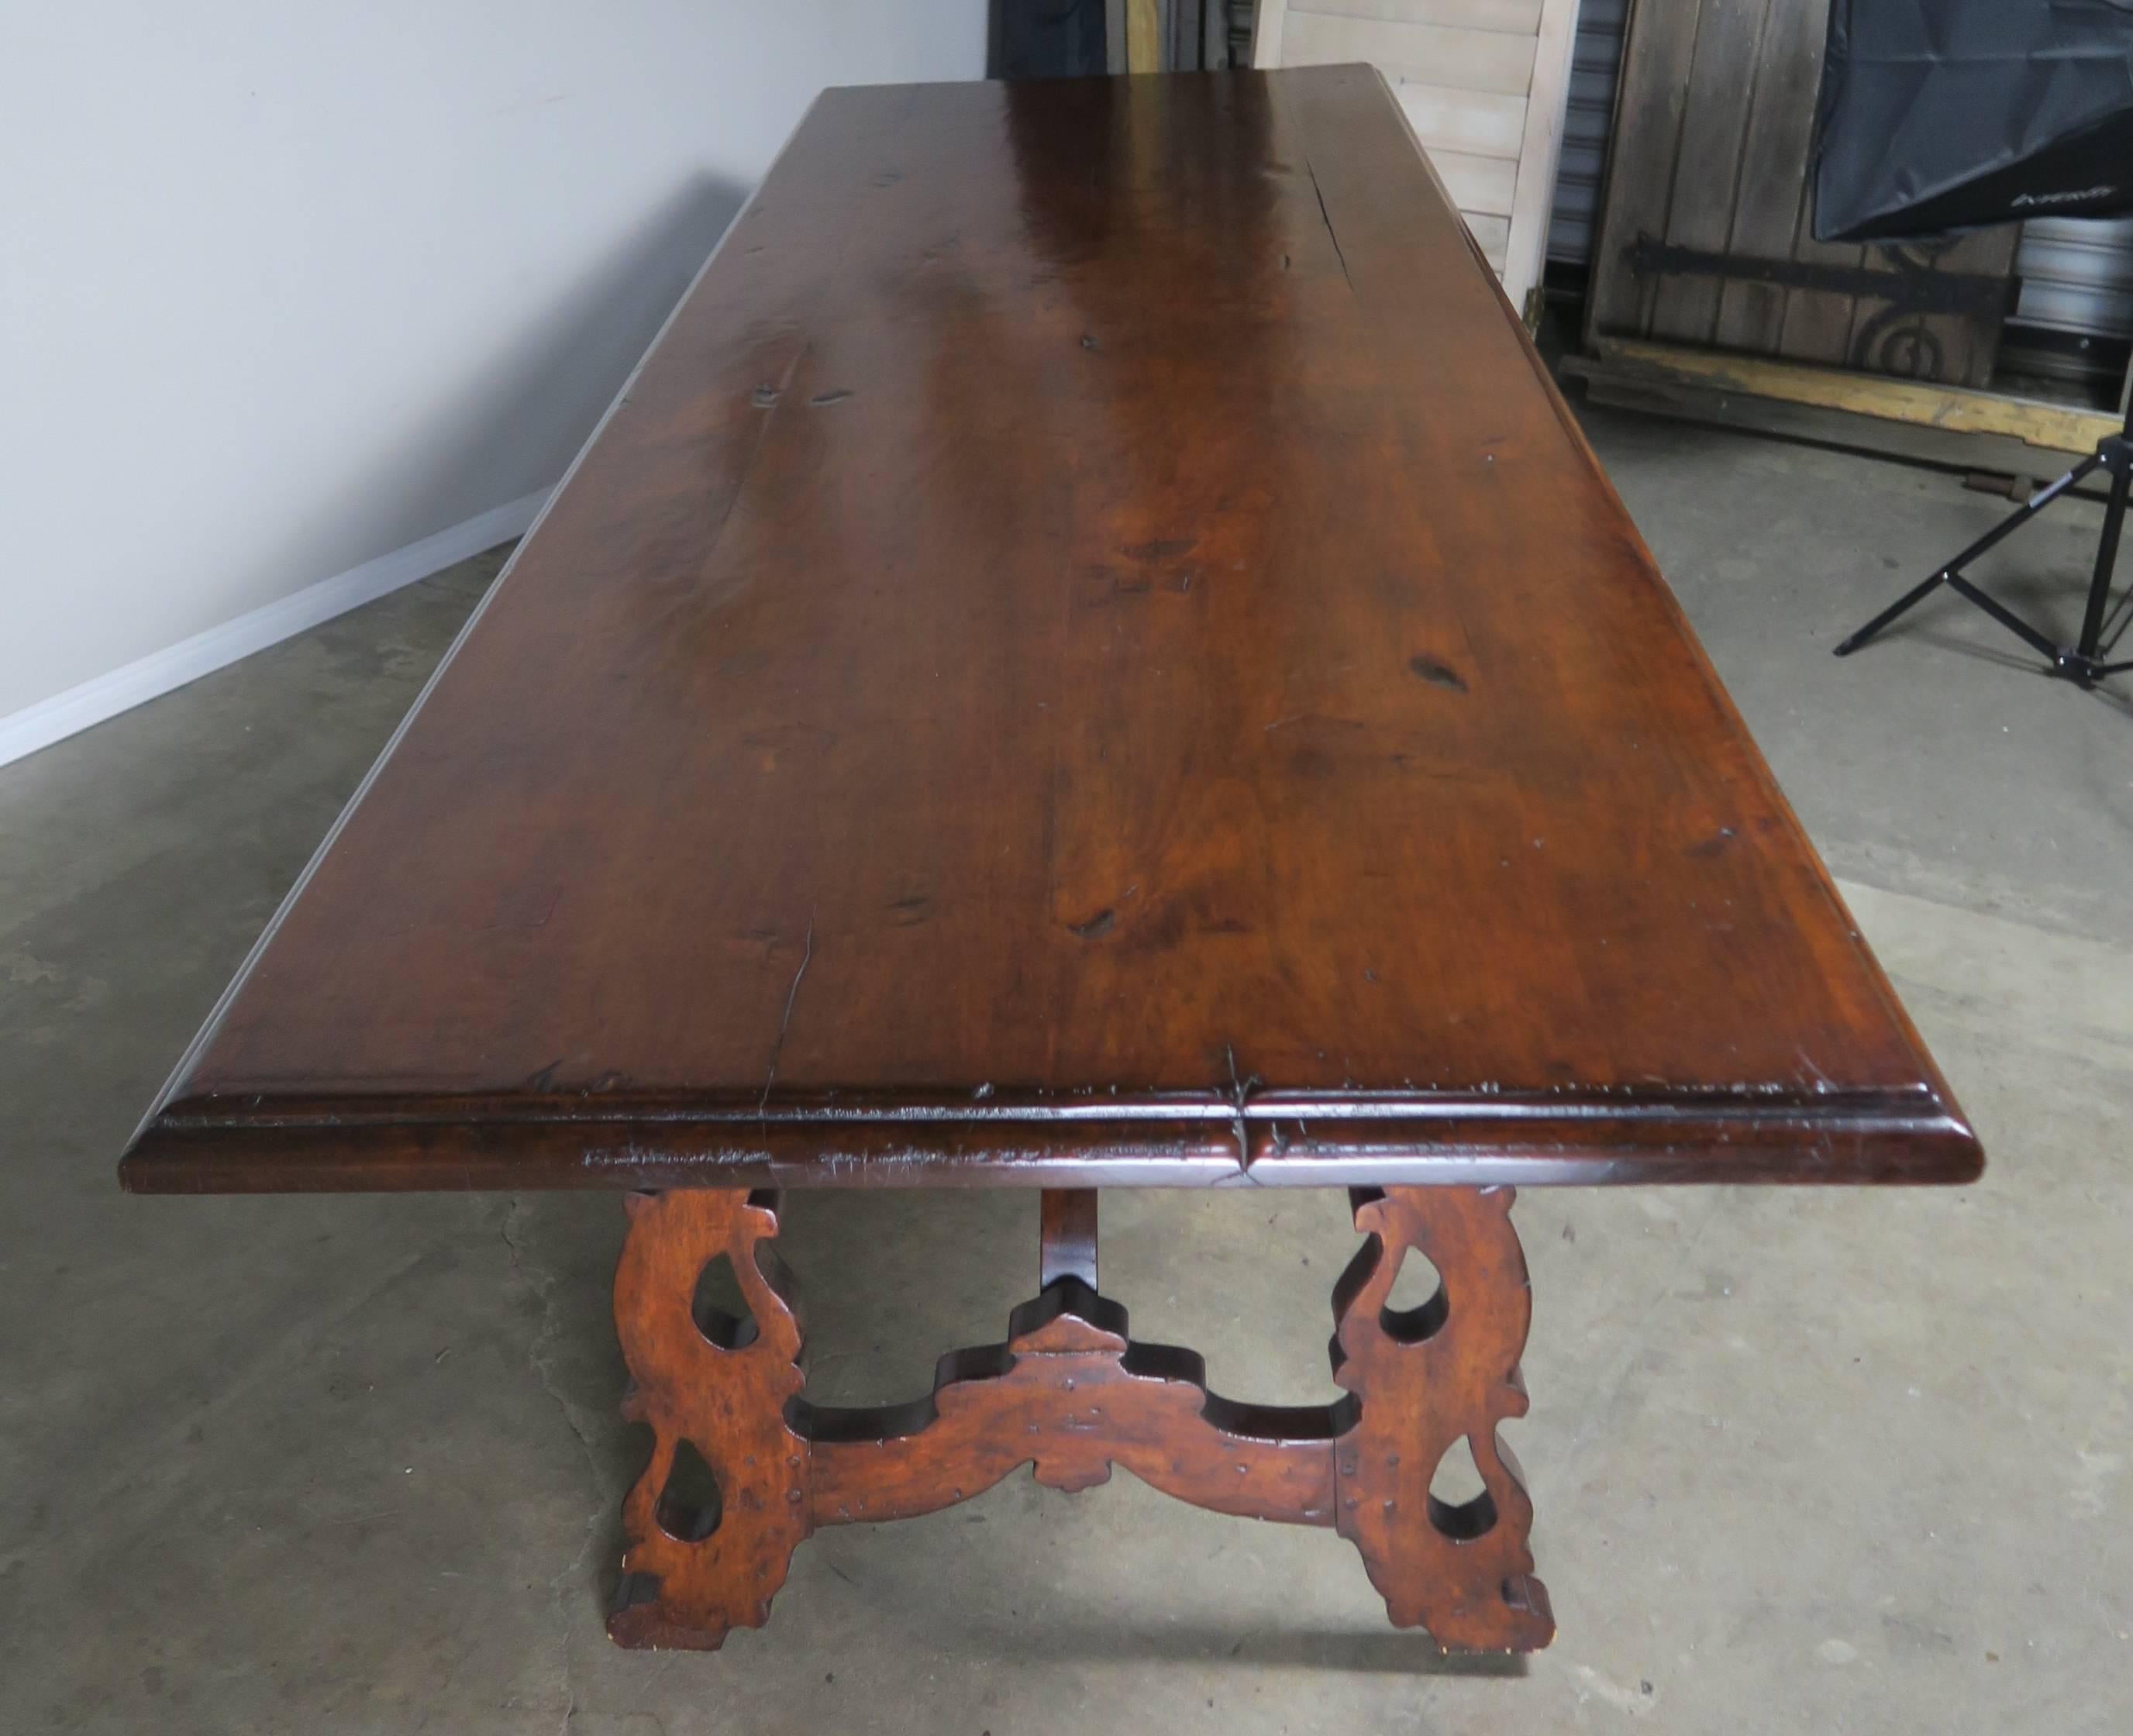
(703, 1559)
(1463, 1571)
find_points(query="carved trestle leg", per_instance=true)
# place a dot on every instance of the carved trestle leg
(1071, 1394)
(692, 1570)
(1428, 1377)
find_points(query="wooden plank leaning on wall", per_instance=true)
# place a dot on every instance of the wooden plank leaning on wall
(1484, 85)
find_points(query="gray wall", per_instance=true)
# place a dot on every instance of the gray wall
(285, 287)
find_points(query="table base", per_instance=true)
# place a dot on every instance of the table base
(1071, 1394)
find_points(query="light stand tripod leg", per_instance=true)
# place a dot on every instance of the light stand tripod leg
(2107, 561)
(2008, 619)
(1909, 599)
(1952, 571)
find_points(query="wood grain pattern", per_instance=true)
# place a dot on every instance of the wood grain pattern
(1777, 137)
(2056, 431)
(1658, 48)
(1817, 324)
(1722, 80)
(1091, 652)
(1071, 1395)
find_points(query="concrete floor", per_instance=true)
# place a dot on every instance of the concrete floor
(1811, 1460)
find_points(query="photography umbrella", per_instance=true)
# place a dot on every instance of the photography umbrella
(1952, 115)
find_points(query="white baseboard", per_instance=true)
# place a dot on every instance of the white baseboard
(64, 714)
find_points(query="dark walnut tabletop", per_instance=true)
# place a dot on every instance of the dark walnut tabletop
(1090, 652)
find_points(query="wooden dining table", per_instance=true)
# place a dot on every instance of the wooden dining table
(1090, 653)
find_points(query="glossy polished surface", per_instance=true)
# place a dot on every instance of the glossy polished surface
(1091, 650)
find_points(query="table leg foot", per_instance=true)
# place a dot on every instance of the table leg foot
(712, 1523)
(1430, 1378)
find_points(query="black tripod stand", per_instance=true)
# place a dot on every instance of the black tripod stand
(2081, 663)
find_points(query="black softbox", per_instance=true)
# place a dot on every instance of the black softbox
(1951, 114)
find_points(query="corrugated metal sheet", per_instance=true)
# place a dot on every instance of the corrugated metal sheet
(1595, 66)
(2077, 276)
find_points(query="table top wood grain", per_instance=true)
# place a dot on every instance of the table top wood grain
(1090, 651)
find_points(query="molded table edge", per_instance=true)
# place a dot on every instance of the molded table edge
(268, 1145)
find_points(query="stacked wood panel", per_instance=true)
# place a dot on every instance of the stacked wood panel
(1483, 83)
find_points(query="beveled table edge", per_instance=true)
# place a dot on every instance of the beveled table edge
(266, 1143)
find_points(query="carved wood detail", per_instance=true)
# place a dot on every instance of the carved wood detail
(1071, 1394)
(1428, 1377)
(728, 1400)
